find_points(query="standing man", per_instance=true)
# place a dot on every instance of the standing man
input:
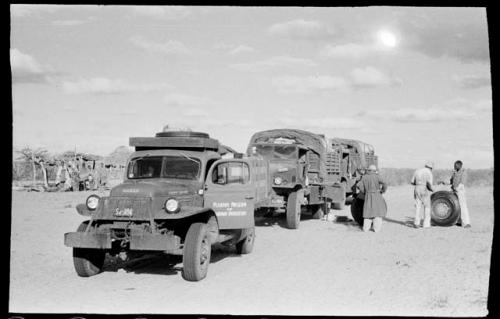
(457, 182)
(422, 180)
(374, 208)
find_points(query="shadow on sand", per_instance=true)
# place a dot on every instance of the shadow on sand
(158, 264)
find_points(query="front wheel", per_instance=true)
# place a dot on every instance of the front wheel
(87, 262)
(245, 246)
(196, 253)
(293, 210)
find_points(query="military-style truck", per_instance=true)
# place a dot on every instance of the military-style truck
(355, 157)
(303, 171)
(179, 196)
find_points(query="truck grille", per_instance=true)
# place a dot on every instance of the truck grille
(122, 207)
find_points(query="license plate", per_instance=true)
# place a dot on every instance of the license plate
(126, 212)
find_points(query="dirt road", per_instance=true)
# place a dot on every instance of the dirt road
(323, 268)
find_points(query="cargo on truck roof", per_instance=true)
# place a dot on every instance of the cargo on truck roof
(180, 140)
(315, 142)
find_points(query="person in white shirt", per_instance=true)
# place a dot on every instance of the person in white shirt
(422, 180)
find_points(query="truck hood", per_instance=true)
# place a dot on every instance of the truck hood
(155, 188)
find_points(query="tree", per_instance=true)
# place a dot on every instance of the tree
(35, 156)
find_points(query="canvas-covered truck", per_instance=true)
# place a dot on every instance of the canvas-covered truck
(355, 157)
(300, 172)
(179, 196)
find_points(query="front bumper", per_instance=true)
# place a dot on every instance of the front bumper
(137, 241)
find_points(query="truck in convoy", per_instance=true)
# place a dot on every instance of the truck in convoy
(179, 196)
(309, 171)
(300, 174)
(355, 157)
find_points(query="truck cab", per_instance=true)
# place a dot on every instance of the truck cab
(179, 196)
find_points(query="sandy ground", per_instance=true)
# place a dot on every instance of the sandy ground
(323, 268)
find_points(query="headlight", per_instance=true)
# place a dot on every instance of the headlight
(278, 180)
(92, 202)
(172, 206)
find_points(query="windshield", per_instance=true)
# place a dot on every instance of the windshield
(164, 166)
(277, 151)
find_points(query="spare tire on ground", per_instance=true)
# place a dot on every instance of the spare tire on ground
(182, 134)
(445, 208)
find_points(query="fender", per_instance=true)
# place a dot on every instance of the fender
(83, 210)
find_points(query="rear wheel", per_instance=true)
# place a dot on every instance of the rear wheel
(445, 208)
(293, 209)
(87, 262)
(245, 246)
(196, 253)
(357, 210)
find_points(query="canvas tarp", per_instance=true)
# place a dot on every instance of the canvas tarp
(315, 142)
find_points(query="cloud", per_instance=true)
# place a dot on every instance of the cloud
(163, 12)
(28, 10)
(68, 23)
(348, 50)
(241, 49)
(472, 81)
(233, 49)
(179, 99)
(457, 109)
(277, 61)
(459, 33)
(309, 84)
(26, 69)
(371, 77)
(360, 78)
(169, 47)
(101, 85)
(319, 123)
(301, 29)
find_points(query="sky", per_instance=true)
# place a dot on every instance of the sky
(413, 82)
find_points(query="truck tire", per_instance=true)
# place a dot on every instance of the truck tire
(196, 253)
(293, 210)
(357, 210)
(445, 208)
(182, 134)
(245, 246)
(87, 262)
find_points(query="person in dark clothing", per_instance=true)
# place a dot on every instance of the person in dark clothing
(457, 182)
(375, 207)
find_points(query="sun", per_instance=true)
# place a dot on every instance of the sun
(387, 38)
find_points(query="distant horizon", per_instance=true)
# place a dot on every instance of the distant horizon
(131, 149)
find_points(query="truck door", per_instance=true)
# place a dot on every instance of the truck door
(229, 192)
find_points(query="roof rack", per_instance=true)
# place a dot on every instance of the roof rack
(174, 140)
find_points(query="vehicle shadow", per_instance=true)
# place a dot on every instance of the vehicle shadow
(146, 264)
(157, 264)
(349, 223)
(278, 220)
